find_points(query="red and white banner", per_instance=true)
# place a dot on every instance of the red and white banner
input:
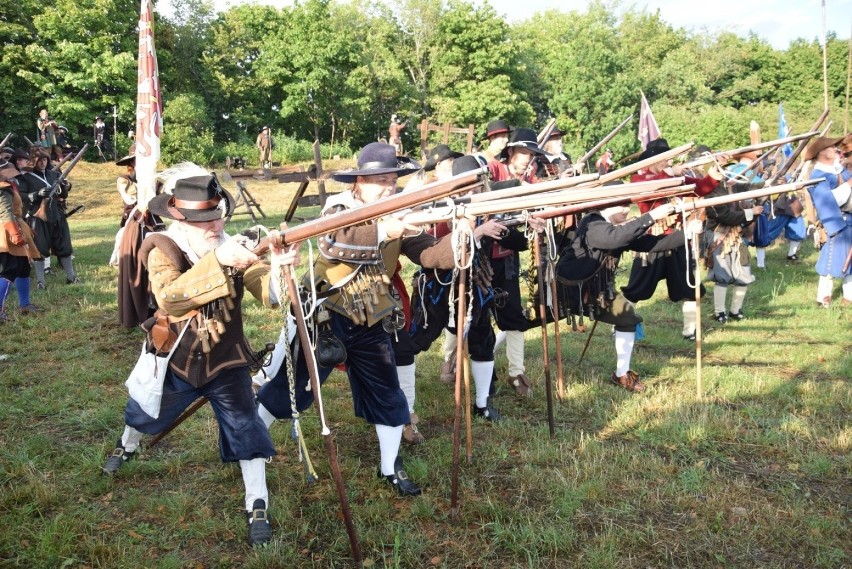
(149, 109)
(648, 129)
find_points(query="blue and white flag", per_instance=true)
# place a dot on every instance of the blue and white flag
(784, 131)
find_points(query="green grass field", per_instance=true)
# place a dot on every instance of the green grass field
(757, 473)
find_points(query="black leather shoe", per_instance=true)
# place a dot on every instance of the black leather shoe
(793, 258)
(259, 530)
(736, 315)
(721, 318)
(399, 480)
(689, 337)
(117, 459)
(488, 413)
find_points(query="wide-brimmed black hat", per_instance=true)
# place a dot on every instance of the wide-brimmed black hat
(523, 138)
(378, 158)
(7, 150)
(655, 147)
(130, 158)
(467, 163)
(496, 127)
(439, 154)
(197, 198)
(20, 154)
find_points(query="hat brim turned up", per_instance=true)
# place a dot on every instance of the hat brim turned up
(165, 206)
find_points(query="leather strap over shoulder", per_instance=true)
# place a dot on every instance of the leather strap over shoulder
(167, 245)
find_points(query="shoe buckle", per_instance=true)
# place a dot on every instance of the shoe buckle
(401, 475)
(118, 452)
(259, 516)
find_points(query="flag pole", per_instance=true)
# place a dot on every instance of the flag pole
(149, 110)
(824, 59)
(848, 78)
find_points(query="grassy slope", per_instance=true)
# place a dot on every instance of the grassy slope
(755, 474)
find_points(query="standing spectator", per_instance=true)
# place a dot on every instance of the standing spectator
(395, 133)
(47, 129)
(265, 144)
(102, 142)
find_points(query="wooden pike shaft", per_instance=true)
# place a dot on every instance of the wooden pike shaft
(461, 356)
(468, 420)
(542, 313)
(331, 449)
(605, 139)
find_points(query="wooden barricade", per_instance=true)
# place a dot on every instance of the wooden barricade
(426, 127)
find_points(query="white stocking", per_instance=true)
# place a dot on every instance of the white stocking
(481, 372)
(623, 351)
(389, 439)
(254, 479)
(690, 311)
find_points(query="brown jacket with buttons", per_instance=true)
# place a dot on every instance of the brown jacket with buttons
(189, 292)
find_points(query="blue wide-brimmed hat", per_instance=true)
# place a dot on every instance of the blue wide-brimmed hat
(378, 158)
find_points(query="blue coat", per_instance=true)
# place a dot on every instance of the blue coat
(837, 224)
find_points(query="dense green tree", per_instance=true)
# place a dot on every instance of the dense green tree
(189, 134)
(81, 60)
(473, 69)
(245, 100)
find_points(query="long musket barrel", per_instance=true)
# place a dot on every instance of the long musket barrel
(606, 139)
(610, 202)
(560, 198)
(636, 166)
(751, 194)
(430, 192)
(5, 140)
(63, 175)
(527, 189)
(750, 148)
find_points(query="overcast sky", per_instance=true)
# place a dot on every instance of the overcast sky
(779, 21)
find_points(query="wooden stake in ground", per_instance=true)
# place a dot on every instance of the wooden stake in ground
(461, 356)
(542, 313)
(699, 389)
(331, 449)
(554, 300)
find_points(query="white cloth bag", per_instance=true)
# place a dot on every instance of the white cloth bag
(145, 383)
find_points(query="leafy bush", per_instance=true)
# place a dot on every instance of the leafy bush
(187, 131)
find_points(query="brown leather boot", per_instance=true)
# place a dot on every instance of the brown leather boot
(629, 381)
(521, 384)
(410, 434)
